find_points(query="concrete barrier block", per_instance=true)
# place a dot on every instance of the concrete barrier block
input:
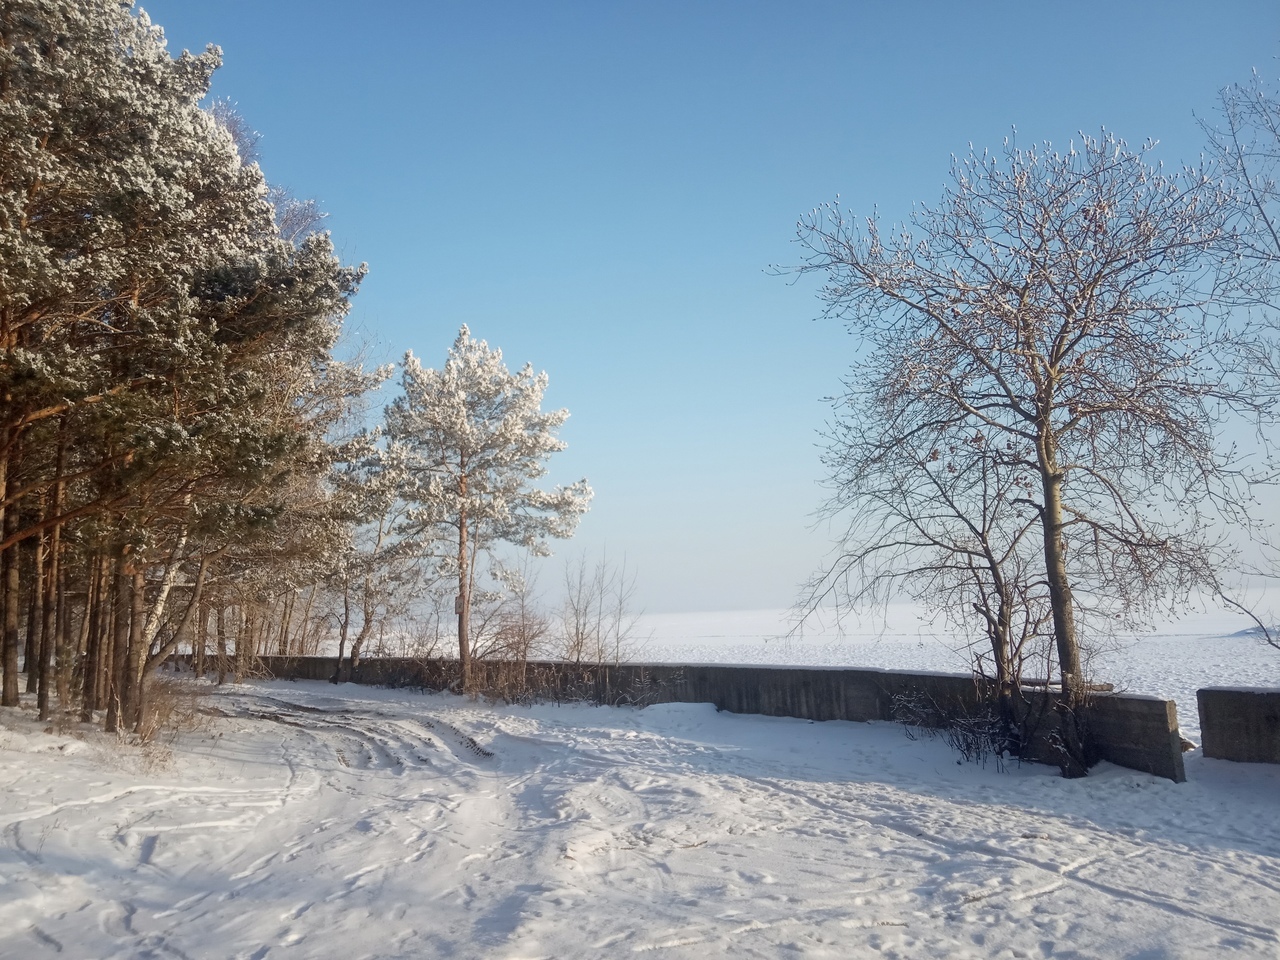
(1137, 732)
(1240, 723)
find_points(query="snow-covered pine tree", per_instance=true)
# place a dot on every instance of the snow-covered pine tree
(471, 440)
(165, 370)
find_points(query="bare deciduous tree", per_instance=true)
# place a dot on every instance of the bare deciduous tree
(939, 519)
(509, 623)
(1246, 145)
(597, 617)
(1245, 142)
(1069, 313)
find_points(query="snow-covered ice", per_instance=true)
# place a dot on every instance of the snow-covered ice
(309, 820)
(1172, 661)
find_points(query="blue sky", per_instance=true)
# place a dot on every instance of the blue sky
(599, 189)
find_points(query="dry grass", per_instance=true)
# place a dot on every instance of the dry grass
(171, 708)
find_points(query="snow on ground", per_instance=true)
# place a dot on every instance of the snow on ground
(1172, 661)
(316, 821)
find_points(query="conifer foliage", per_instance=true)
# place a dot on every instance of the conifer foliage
(166, 382)
(469, 441)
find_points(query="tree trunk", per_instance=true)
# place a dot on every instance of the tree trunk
(1007, 681)
(51, 626)
(306, 622)
(48, 620)
(343, 628)
(137, 647)
(154, 660)
(366, 628)
(201, 641)
(1072, 740)
(462, 605)
(221, 627)
(4, 580)
(1060, 599)
(94, 626)
(117, 688)
(12, 641)
(244, 643)
(106, 629)
(32, 658)
(1072, 751)
(65, 651)
(286, 615)
(155, 612)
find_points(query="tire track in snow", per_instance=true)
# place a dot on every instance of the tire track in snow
(1070, 872)
(372, 731)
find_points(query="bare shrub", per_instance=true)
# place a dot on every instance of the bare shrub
(171, 708)
(508, 623)
(975, 731)
(597, 620)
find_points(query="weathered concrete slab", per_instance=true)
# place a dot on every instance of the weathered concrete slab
(1240, 723)
(1137, 732)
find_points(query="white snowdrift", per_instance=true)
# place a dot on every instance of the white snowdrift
(348, 822)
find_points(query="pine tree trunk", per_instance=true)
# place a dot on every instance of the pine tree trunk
(64, 650)
(48, 620)
(50, 575)
(201, 641)
(32, 658)
(6, 669)
(463, 602)
(221, 625)
(11, 585)
(105, 627)
(92, 631)
(132, 711)
(117, 692)
(243, 640)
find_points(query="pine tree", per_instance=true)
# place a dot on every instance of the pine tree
(166, 378)
(470, 440)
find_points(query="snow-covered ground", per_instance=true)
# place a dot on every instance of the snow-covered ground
(307, 820)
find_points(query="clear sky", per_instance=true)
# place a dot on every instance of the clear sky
(599, 188)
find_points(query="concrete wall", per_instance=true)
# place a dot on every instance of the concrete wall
(1240, 724)
(1132, 731)
(1137, 732)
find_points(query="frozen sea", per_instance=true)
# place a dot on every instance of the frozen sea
(1171, 661)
